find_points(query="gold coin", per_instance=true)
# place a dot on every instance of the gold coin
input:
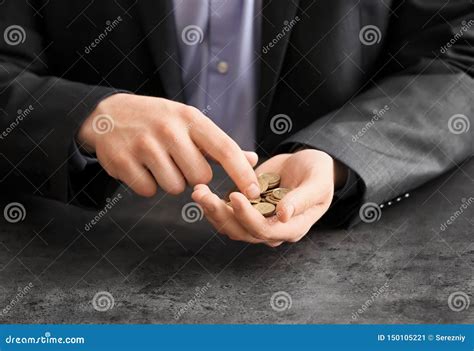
(271, 178)
(270, 194)
(279, 193)
(265, 208)
(266, 193)
(262, 182)
(271, 200)
(273, 185)
(255, 201)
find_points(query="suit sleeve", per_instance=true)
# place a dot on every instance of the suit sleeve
(427, 102)
(41, 113)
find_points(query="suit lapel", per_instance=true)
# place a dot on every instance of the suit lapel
(275, 13)
(158, 23)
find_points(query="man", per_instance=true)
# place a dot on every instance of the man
(355, 102)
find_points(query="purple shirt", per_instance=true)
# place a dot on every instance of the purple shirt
(218, 43)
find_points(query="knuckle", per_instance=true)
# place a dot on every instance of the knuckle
(111, 172)
(189, 113)
(175, 188)
(203, 176)
(147, 189)
(143, 143)
(230, 145)
(168, 133)
(120, 160)
(228, 149)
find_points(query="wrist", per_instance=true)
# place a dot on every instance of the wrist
(86, 136)
(340, 171)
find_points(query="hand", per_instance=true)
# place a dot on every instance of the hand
(148, 142)
(311, 174)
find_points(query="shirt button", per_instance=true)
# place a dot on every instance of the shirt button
(222, 67)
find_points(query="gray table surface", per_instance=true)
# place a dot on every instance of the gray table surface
(161, 269)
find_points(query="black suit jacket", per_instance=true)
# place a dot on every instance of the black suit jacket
(327, 74)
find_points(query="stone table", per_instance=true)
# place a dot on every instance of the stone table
(160, 269)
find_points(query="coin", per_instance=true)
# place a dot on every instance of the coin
(271, 200)
(263, 183)
(266, 209)
(273, 179)
(270, 194)
(266, 193)
(255, 201)
(279, 193)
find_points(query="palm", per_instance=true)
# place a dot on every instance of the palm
(310, 176)
(292, 168)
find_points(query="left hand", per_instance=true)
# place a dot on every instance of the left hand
(311, 174)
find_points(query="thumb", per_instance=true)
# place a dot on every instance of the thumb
(299, 200)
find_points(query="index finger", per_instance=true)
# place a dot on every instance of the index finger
(212, 140)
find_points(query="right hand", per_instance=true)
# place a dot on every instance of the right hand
(148, 142)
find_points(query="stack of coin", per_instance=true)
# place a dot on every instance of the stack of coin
(270, 194)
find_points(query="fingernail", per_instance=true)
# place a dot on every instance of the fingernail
(253, 191)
